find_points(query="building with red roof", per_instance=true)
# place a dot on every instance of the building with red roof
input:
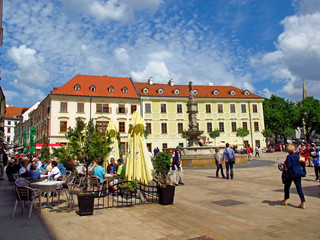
(227, 108)
(101, 98)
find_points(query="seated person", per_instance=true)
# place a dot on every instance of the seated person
(120, 175)
(112, 167)
(11, 169)
(38, 163)
(91, 167)
(44, 166)
(55, 172)
(62, 169)
(99, 172)
(81, 170)
(24, 166)
(33, 173)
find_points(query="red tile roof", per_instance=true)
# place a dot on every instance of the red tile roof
(12, 111)
(101, 84)
(203, 91)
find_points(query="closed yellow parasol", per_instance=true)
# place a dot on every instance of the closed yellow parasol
(139, 166)
(112, 129)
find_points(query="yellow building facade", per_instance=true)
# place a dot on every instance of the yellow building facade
(164, 108)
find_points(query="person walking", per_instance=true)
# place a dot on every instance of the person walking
(229, 158)
(316, 165)
(177, 162)
(217, 157)
(257, 155)
(249, 152)
(293, 167)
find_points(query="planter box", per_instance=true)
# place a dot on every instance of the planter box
(86, 203)
(166, 195)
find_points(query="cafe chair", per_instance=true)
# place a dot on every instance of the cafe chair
(72, 192)
(22, 182)
(26, 194)
(95, 183)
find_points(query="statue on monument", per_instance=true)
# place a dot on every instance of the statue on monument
(190, 89)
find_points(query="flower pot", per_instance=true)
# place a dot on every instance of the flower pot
(85, 203)
(166, 194)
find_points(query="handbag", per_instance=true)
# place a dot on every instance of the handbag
(285, 176)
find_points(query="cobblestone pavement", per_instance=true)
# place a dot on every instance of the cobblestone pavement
(206, 207)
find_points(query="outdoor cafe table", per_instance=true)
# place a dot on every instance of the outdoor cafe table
(47, 186)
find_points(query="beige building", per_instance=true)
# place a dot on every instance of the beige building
(100, 98)
(163, 106)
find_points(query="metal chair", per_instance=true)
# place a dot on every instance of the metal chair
(72, 192)
(95, 183)
(26, 194)
(22, 182)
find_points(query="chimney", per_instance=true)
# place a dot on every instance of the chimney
(171, 82)
(150, 81)
(210, 84)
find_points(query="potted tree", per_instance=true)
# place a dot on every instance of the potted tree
(87, 144)
(162, 174)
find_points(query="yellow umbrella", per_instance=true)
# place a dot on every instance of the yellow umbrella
(112, 129)
(138, 165)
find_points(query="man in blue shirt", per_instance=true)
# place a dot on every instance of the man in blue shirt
(99, 172)
(32, 174)
(229, 157)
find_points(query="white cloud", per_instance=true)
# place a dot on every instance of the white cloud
(123, 59)
(297, 54)
(30, 70)
(266, 93)
(117, 10)
(157, 70)
(10, 95)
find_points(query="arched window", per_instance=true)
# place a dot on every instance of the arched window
(77, 87)
(125, 90)
(111, 89)
(145, 90)
(246, 92)
(176, 91)
(92, 88)
(195, 92)
(160, 91)
(216, 92)
(233, 92)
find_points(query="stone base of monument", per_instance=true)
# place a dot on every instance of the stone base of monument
(204, 157)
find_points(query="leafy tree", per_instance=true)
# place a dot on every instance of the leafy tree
(309, 111)
(267, 133)
(242, 132)
(214, 134)
(281, 116)
(62, 154)
(184, 135)
(45, 150)
(145, 133)
(87, 143)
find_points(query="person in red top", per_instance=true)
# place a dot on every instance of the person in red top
(249, 152)
(303, 157)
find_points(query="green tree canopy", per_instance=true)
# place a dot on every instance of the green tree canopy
(267, 133)
(309, 112)
(281, 116)
(87, 143)
(242, 132)
(214, 134)
(45, 150)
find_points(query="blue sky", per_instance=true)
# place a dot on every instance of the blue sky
(267, 47)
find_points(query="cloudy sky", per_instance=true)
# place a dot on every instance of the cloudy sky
(267, 47)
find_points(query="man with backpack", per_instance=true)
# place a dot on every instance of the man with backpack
(229, 157)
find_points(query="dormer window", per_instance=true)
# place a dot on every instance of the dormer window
(160, 91)
(195, 92)
(216, 92)
(77, 87)
(233, 92)
(176, 91)
(125, 90)
(145, 90)
(246, 92)
(111, 89)
(92, 88)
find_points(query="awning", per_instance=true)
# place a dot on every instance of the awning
(51, 145)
